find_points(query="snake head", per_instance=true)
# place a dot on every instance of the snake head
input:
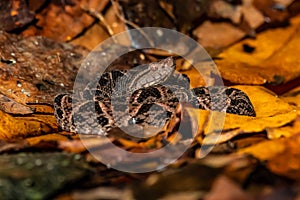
(151, 74)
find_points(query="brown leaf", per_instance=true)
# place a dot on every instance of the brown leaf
(13, 146)
(14, 14)
(74, 146)
(109, 24)
(217, 35)
(225, 10)
(145, 13)
(12, 107)
(35, 69)
(92, 37)
(251, 15)
(274, 11)
(60, 22)
(225, 188)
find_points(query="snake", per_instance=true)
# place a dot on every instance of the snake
(146, 95)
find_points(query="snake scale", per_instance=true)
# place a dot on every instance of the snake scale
(146, 95)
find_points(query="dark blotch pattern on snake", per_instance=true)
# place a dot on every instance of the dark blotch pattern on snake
(146, 96)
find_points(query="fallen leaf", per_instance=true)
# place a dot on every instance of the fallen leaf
(217, 35)
(282, 155)
(92, 37)
(252, 15)
(35, 69)
(101, 193)
(21, 127)
(13, 146)
(226, 189)
(225, 10)
(60, 22)
(12, 107)
(14, 14)
(265, 150)
(273, 56)
(32, 141)
(292, 97)
(73, 146)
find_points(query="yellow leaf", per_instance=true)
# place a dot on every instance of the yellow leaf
(282, 155)
(265, 150)
(274, 56)
(293, 98)
(14, 127)
(49, 137)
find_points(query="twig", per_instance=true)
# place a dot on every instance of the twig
(117, 12)
(101, 18)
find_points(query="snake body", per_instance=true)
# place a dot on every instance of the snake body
(146, 95)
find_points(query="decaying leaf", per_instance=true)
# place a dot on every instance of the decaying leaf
(10, 106)
(15, 146)
(109, 24)
(102, 193)
(58, 22)
(225, 188)
(273, 56)
(21, 127)
(286, 162)
(92, 37)
(73, 146)
(282, 155)
(217, 35)
(292, 97)
(14, 14)
(34, 141)
(35, 69)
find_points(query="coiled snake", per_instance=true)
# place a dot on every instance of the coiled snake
(145, 95)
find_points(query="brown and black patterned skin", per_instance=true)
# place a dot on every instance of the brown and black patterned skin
(145, 96)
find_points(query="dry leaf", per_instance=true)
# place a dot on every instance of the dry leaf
(92, 37)
(287, 162)
(32, 141)
(292, 97)
(265, 150)
(35, 69)
(60, 22)
(217, 35)
(14, 14)
(16, 127)
(10, 106)
(282, 155)
(74, 146)
(226, 189)
(225, 10)
(273, 56)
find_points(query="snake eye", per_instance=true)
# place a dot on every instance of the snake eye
(132, 121)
